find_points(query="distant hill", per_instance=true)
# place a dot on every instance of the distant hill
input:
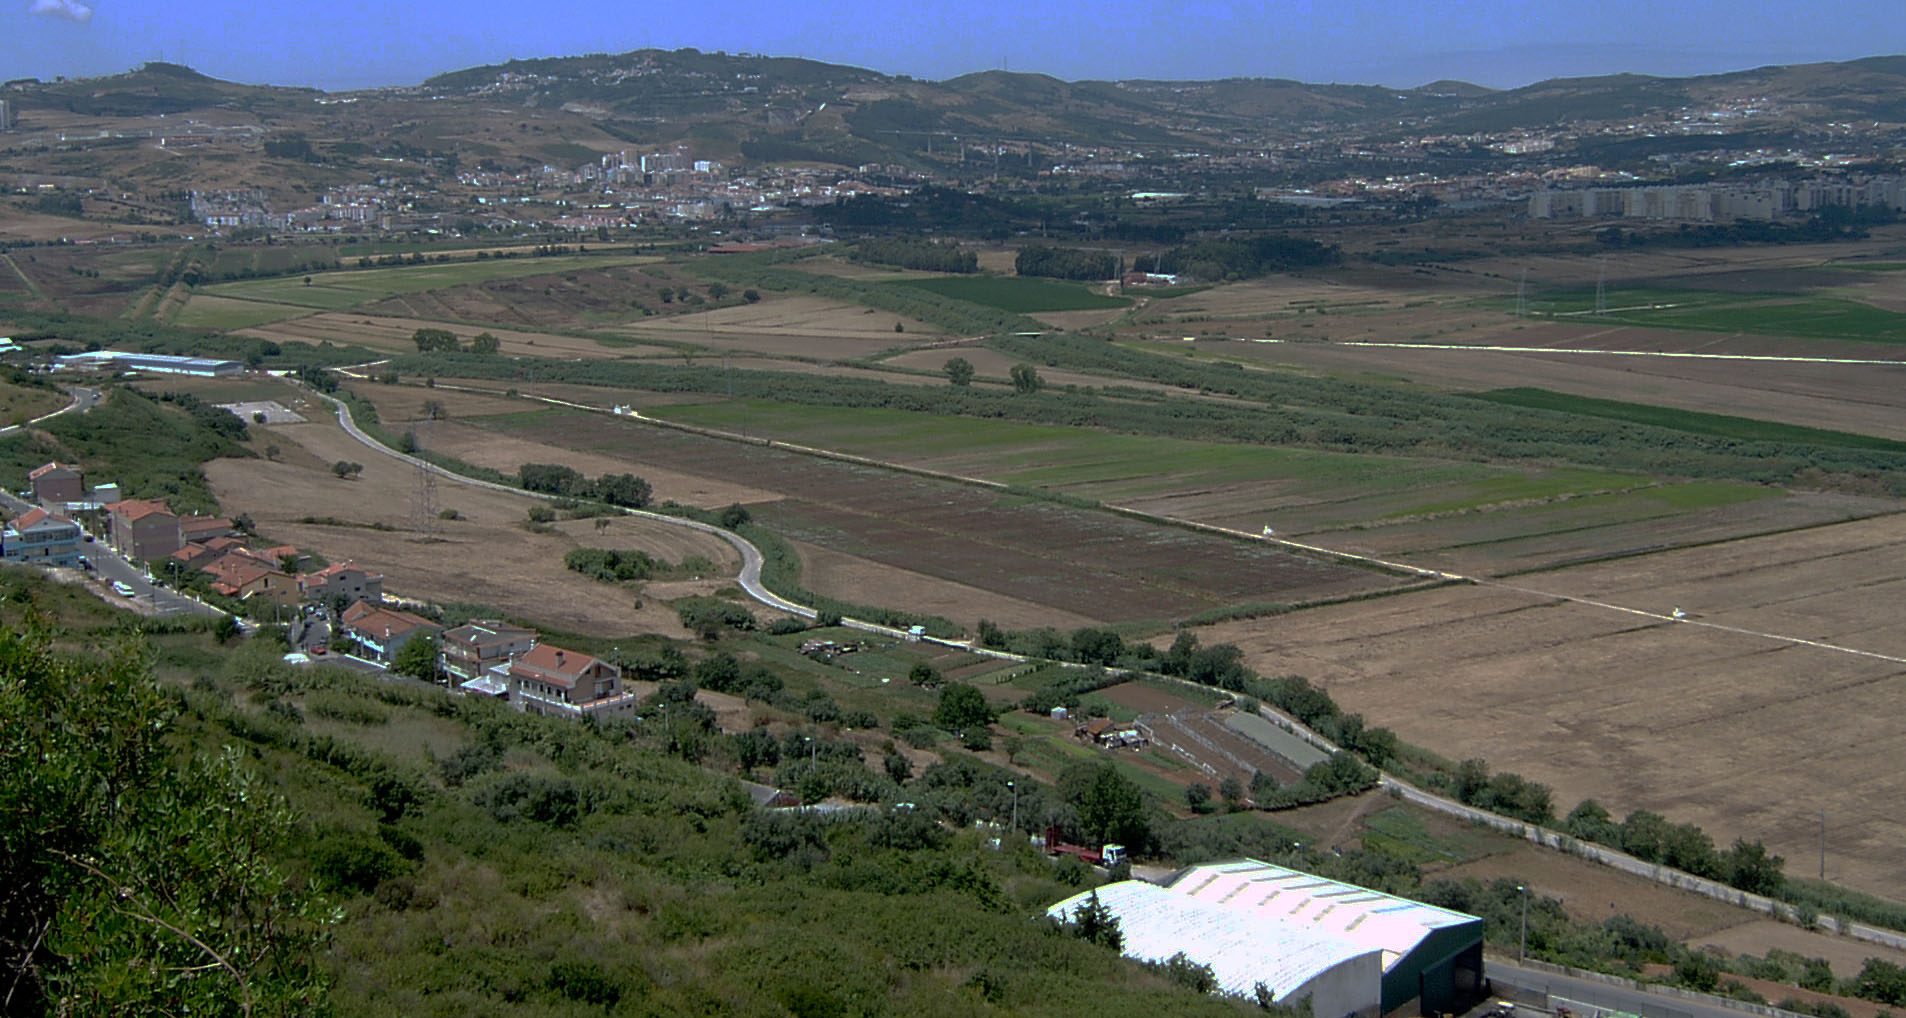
(788, 108)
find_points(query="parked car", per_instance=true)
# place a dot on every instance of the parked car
(122, 588)
(319, 650)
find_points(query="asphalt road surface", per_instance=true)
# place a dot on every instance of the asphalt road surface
(1546, 990)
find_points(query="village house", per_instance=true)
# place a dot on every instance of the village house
(143, 529)
(204, 528)
(41, 538)
(468, 651)
(342, 580)
(242, 576)
(382, 632)
(57, 483)
(550, 680)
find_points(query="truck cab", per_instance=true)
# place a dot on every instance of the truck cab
(1112, 855)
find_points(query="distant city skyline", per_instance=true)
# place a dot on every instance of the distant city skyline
(1496, 43)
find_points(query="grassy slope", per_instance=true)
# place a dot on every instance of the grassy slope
(1016, 293)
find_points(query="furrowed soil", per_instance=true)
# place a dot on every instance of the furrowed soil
(1713, 720)
(1082, 562)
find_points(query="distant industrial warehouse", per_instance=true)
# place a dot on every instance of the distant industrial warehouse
(1349, 950)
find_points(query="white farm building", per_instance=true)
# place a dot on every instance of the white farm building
(1350, 950)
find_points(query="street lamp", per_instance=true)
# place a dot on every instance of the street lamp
(1522, 951)
(1015, 789)
(813, 751)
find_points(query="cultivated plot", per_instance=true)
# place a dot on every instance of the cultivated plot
(1745, 734)
(485, 556)
(1088, 563)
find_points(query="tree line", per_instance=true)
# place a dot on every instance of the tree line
(1066, 263)
(913, 252)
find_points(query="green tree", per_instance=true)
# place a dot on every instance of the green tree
(1026, 378)
(134, 879)
(718, 289)
(735, 515)
(1112, 809)
(345, 469)
(1198, 797)
(434, 340)
(751, 296)
(624, 490)
(417, 658)
(1231, 790)
(961, 707)
(1095, 923)
(959, 371)
(485, 343)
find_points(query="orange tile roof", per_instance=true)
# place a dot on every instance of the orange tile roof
(553, 664)
(39, 472)
(132, 509)
(363, 617)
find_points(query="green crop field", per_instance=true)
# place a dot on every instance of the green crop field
(1766, 314)
(1343, 488)
(349, 287)
(1745, 429)
(208, 312)
(1018, 294)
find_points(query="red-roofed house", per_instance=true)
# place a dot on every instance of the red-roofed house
(57, 482)
(550, 680)
(143, 529)
(204, 528)
(42, 538)
(342, 579)
(241, 576)
(382, 632)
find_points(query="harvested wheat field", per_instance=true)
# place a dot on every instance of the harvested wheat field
(485, 557)
(1715, 720)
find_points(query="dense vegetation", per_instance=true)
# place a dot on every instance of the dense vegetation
(1240, 257)
(154, 450)
(916, 253)
(1065, 263)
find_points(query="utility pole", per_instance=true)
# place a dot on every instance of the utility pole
(1823, 844)
(1522, 950)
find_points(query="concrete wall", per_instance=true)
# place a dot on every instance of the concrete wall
(1351, 988)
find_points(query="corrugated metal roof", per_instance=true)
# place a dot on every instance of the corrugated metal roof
(1242, 949)
(1356, 915)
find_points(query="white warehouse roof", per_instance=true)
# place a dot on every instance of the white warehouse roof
(1243, 950)
(1343, 912)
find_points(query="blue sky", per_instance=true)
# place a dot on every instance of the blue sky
(1502, 43)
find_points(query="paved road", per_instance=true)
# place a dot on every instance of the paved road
(108, 567)
(1545, 990)
(84, 399)
(749, 578)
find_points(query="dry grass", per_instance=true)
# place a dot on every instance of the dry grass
(1743, 735)
(487, 557)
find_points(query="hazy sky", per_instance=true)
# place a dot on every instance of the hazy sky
(355, 43)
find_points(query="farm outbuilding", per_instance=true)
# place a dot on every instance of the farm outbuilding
(1350, 950)
(1432, 957)
(1292, 961)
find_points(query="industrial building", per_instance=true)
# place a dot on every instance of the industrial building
(1351, 950)
(164, 364)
